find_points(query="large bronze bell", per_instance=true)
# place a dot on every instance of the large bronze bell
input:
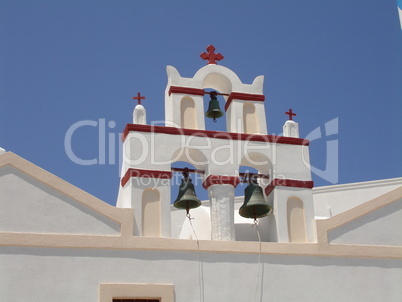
(214, 111)
(187, 199)
(254, 205)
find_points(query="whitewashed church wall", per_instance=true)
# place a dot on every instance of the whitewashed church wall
(381, 227)
(68, 275)
(336, 199)
(28, 205)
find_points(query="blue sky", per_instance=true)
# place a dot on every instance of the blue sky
(66, 61)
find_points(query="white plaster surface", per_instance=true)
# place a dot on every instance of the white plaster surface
(224, 155)
(131, 197)
(69, 275)
(381, 227)
(28, 205)
(280, 198)
(223, 80)
(291, 129)
(139, 115)
(336, 199)
(200, 221)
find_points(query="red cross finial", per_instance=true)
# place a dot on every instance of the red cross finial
(291, 114)
(139, 98)
(211, 56)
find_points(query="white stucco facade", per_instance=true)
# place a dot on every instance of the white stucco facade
(84, 245)
(75, 274)
(333, 200)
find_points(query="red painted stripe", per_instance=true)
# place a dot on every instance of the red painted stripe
(186, 90)
(220, 180)
(215, 134)
(144, 173)
(244, 97)
(232, 96)
(308, 184)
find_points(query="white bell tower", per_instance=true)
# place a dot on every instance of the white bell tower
(149, 152)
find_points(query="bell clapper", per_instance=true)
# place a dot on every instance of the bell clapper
(188, 212)
(214, 116)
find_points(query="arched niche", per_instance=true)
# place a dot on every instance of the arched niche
(188, 116)
(196, 178)
(250, 119)
(151, 213)
(296, 220)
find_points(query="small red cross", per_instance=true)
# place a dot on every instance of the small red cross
(139, 98)
(291, 114)
(211, 56)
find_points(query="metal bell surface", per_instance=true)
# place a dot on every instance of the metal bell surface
(187, 199)
(254, 205)
(214, 111)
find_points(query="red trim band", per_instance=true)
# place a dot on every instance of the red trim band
(308, 184)
(244, 97)
(232, 96)
(220, 180)
(214, 134)
(186, 90)
(144, 173)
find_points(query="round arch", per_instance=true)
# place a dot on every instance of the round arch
(193, 156)
(257, 160)
(218, 77)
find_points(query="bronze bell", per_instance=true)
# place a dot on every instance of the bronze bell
(254, 205)
(186, 199)
(214, 111)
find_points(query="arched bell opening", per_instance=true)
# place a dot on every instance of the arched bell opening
(221, 81)
(151, 213)
(250, 119)
(188, 117)
(239, 191)
(251, 206)
(214, 104)
(186, 196)
(254, 204)
(259, 162)
(178, 178)
(296, 220)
